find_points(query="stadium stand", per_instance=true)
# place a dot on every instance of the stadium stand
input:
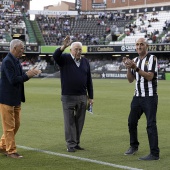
(152, 26)
(31, 35)
(9, 18)
(102, 29)
(90, 31)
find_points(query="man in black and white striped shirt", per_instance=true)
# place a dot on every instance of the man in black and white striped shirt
(144, 70)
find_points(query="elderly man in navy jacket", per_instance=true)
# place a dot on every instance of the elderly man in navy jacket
(77, 87)
(11, 95)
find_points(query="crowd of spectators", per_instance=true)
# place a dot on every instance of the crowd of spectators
(150, 26)
(9, 17)
(166, 38)
(54, 29)
(93, 31)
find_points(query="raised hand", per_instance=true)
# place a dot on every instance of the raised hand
(67, 41)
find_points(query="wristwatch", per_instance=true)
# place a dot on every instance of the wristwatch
(137, 69)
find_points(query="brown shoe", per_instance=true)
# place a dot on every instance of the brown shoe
(3, 151)
(15, 155)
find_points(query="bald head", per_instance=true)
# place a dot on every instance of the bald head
(144, 40)
(142, 47)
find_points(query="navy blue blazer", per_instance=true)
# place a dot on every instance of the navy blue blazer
(12, 81)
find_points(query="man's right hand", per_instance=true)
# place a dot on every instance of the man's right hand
(33, 72)
(66, 43)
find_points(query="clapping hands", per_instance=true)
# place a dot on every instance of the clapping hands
(33, 72)
(129, 63)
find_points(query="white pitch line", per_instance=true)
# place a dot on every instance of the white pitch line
(78, 158)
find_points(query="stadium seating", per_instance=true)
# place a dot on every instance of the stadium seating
(146, 26)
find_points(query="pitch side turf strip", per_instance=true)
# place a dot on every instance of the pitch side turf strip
(78, 158)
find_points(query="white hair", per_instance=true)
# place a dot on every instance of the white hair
(75, 43)
(14, 43)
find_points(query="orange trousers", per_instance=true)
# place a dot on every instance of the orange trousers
(10, 116)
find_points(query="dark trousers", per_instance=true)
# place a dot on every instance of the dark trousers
(147, 105)
(74, 109)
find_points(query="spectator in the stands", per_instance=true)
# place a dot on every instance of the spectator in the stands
(164, 28)
(154, 38)
(149, 25)
(23, 8)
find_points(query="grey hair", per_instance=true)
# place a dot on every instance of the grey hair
(74, 43)
(14, 43)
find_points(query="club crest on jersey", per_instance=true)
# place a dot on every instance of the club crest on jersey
(146, 63)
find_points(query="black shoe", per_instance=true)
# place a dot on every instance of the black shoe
(78, 148)
(149, 157)
(71, 149)
(131, 151)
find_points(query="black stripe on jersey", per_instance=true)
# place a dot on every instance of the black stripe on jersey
(146, 70)
(154, 80)
(138, 82)
(154, 64)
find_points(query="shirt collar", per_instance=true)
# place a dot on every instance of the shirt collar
(75, 58)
